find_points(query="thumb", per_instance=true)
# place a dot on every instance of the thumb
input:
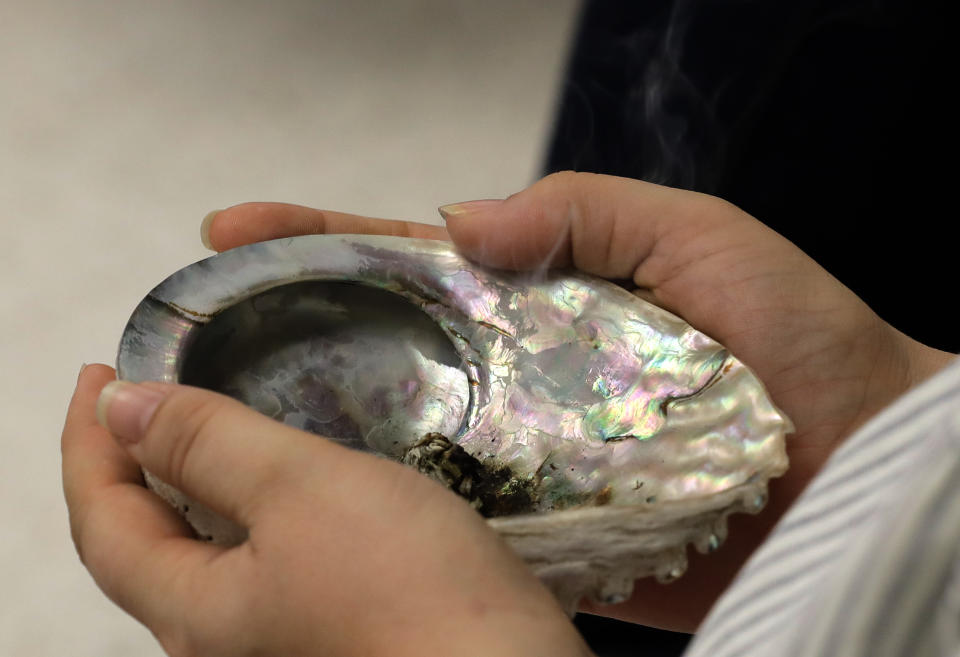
(604, 225)
(213, 448)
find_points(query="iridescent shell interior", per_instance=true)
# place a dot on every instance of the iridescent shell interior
(597, 402)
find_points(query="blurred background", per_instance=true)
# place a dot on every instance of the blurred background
(123, 123)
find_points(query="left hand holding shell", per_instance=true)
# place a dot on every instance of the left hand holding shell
(327, 567)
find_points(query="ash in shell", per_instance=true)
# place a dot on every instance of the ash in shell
(604, 432)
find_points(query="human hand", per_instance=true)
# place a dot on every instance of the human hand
(347, 554)
(827, 360)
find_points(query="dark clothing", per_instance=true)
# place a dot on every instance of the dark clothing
(826, 120)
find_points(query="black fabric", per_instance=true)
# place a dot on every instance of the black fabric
(827, 120)
(611, 638)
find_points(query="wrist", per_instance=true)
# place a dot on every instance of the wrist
(924, 361)
(902, 364)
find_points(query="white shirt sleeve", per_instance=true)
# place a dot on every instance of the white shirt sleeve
(867, 561)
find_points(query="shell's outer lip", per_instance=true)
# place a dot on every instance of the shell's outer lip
(600, 551)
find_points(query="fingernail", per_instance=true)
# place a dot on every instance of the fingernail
(126, 408)
(205, 229)
(80, 373)
(467, 208)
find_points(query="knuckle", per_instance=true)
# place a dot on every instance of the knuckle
(713, 208)
(402, 229)
(568, 192)
(564, 179)
(569, 184)
(180, 425)
(317, 223)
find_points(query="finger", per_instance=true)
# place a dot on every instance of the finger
(128, 538)
(91, 459)
(94, 466)
(695, 255)
(258, 222)
(213, 448)
(603, 225)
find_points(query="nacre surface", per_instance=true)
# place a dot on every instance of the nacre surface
(635, 433)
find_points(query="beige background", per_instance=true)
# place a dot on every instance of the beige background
(123, 123)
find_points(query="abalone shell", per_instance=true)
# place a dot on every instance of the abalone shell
(629, 433)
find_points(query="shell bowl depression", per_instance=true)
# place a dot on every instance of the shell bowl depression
(598, 433)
